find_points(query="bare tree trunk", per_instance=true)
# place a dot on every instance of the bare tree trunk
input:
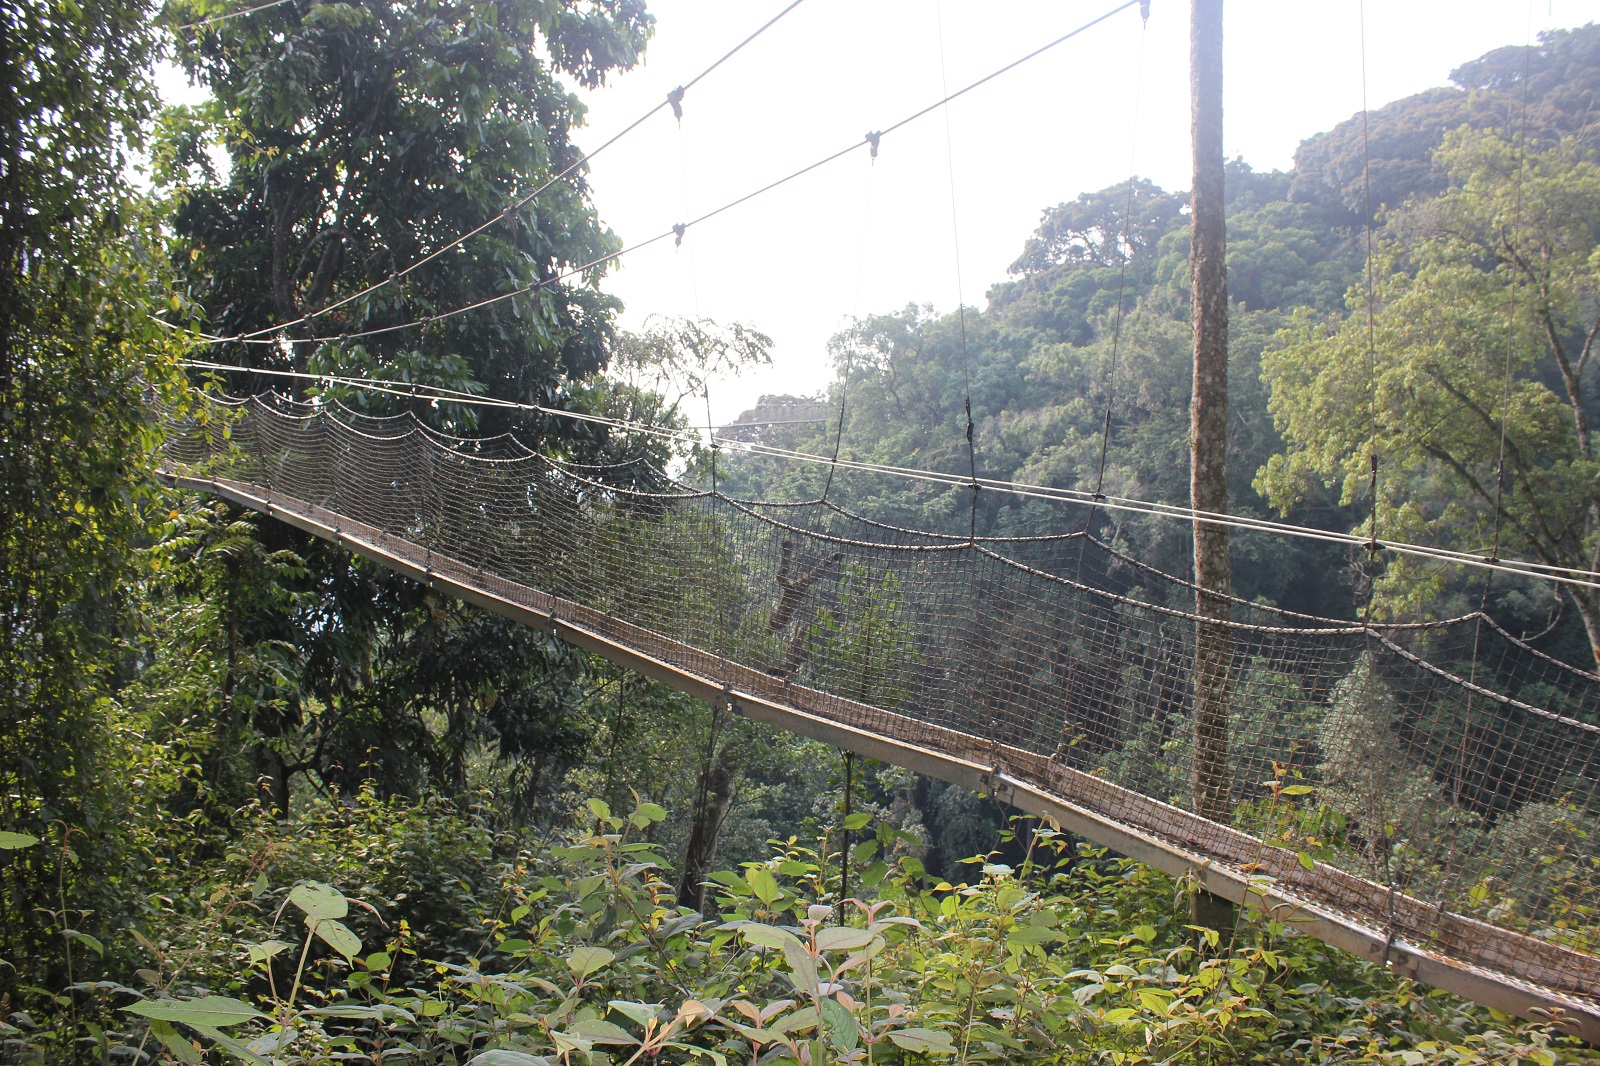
(1208, 482)
(717, 792)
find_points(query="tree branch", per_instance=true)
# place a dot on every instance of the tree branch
(1519, 464)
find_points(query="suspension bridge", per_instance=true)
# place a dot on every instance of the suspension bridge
(1421, 795)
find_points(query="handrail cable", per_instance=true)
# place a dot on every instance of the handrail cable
(1560, 574)
(214, 19)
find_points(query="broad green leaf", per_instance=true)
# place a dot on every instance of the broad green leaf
(925, 1041)
(1118, 1016)
(178, 1047)
(84, 938)
(339, 937)
(1028, 935)
(600, 809)
(209, 1011)
(318, 901)
(587, 959)
(763, 884)
(233, 1047)
(267, 949)
(842, 938)
(270, 1043)
(859, 820)
(1307, 861)
(378, 961)
(1155, 999)
(360, 1011)
(768, 936)
(508, 1058)
(600, 1031)
(13, 841)
(840, 1025)
(638, 1013)
(797, 1022)
(648, 814)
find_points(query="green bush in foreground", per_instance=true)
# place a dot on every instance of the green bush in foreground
(578, 955)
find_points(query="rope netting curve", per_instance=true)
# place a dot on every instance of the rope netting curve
(1369, 773)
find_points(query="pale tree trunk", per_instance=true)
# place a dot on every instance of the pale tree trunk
(1209, 433)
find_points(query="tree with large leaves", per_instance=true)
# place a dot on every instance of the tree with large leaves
(364, 136)
(81, 273)
(1485, 326)
(362, 139)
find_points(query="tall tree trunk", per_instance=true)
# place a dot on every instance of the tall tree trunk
(717, 790)
(1208, 484)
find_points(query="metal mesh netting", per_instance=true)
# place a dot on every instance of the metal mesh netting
(1434, 782)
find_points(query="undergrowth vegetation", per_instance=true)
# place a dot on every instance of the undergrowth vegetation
(377, 931)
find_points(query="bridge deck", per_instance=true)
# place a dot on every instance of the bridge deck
(1551, 982)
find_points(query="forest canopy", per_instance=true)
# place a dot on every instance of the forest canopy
(265, 801)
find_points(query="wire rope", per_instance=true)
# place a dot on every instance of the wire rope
(1545, 571)
(673, 99)
(961, 302)
(1125, 253)
(215, 19)
(855, 309)
(677, 230)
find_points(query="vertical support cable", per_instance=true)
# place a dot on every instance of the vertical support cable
(844, 839)
(975, 630)
(711, 436)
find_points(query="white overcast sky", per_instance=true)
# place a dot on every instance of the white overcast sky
(855, 238)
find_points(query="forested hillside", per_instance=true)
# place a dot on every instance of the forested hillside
(1453, 193)
(266, 802)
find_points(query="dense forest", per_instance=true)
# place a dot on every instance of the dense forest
(266, 802)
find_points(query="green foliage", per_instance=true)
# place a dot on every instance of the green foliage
(1548, 89)
(583, 956)
(1486, 304)
(361, 138)
(82, 273)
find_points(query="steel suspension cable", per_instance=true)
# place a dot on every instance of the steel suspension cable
(678, 230)
(673, 99)
(1559, 574)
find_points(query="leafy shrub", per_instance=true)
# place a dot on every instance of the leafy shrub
(581, 957)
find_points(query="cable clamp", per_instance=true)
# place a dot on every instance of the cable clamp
(678, 230)
(873, 139)
(1144, 10)
(675, 98)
